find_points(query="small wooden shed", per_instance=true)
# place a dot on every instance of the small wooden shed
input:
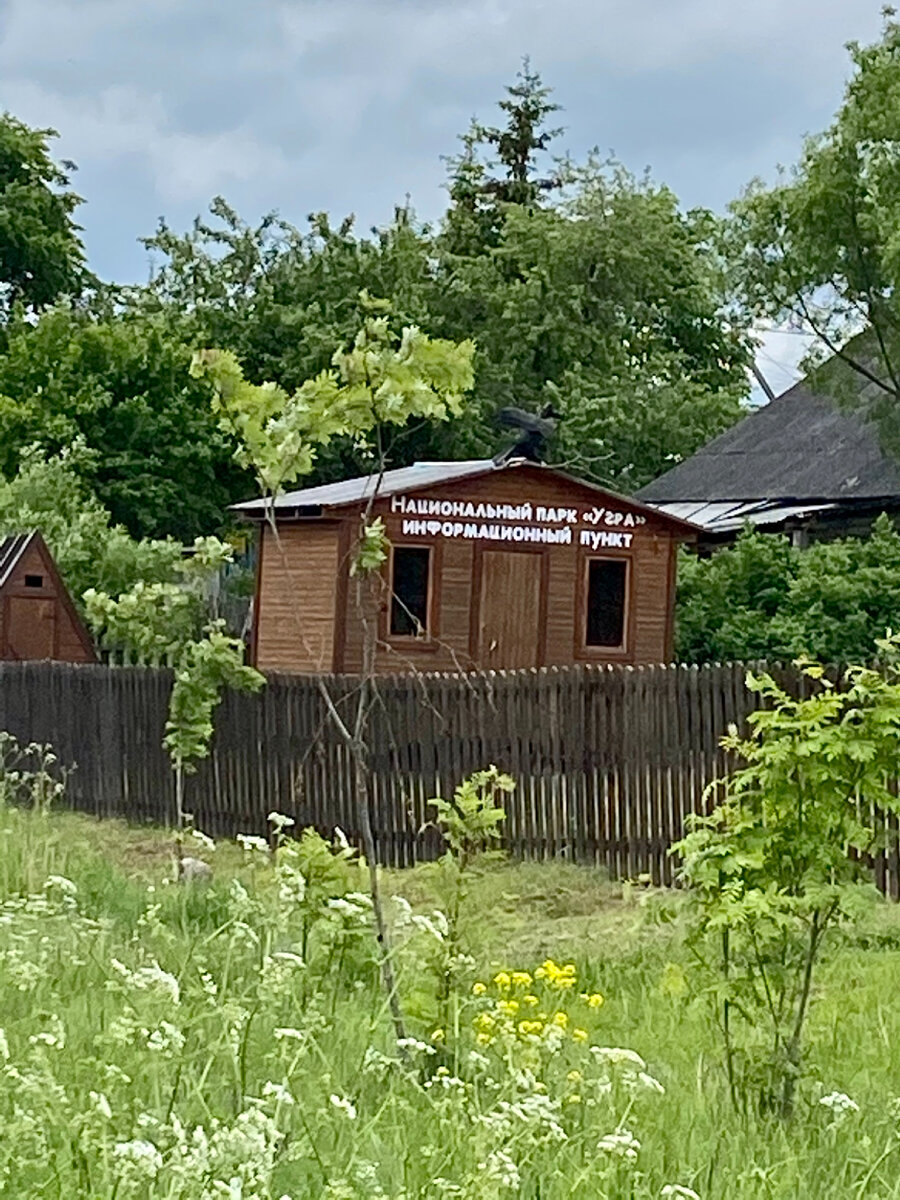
(37, 617)
(491, 567)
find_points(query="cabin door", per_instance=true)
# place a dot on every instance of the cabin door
(31, 628)
(509, 610)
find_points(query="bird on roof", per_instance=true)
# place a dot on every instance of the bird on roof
(534, 431)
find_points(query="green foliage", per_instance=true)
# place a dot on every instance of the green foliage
(41, 254)
(763, 599)
(30, 775)
(381, 380)
(152, 621)
(603, 297)
(120, 383)
(205, 666)
(822, 245)
(770, 869)
(470, 821)
(49, 494)
(470, 825)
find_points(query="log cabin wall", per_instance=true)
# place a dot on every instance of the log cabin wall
(491, 603)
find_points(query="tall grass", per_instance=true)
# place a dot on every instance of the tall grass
(232, 1040)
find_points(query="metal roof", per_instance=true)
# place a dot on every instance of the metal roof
(800, 447)
(11, 550)
(729, 517)
(311, 501)
(352, 491)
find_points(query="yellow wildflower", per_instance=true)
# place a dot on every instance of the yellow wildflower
(579, 1035)
(438, 1035)
(509, 1008)
(594, 1000)
(478, 989)
(484, 1022)
(502, 980)
(531, 1000)
(573, 1099)
(521, 979)
(527, 1027)
(561, 1019)
(574, 1077)
(483, 1039)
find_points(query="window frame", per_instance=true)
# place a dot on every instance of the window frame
(429, 639)
(582, 646)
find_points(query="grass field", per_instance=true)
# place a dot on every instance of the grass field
(231, 1039)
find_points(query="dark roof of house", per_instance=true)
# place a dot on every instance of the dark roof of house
(799, 447)
(311, 501)
(11, 550)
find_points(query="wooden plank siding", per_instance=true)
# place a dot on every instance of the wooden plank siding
(297, 597)
(40, 621)
(316, 592)
(608, 761)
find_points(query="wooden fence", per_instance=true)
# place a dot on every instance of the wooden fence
(608, 761)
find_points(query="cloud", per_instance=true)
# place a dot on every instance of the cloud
(347, 105)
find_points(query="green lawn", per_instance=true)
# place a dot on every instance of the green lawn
(168, 1041)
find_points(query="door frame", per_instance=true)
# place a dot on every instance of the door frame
(543, 552)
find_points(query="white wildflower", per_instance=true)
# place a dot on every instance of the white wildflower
(500, 1170)
(617, 1056)
(152, 978)
(279, 821)
(166, 1039)
(101, 1104)
(435, 925)
(277, 1092)
(621, 1144)
(4, 1046)
(141, 1155)
(411, 1043)
(343, 1105)
(286, 1033)
(203, 840)
(62, 884)
(839, 1105)
(253, 844)
(650, 1084)
(346, 908)
(675, 1190)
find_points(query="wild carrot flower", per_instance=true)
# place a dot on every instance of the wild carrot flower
(621, 1144)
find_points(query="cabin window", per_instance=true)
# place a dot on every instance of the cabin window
(410, 586)
(607, 598)
(35, 581)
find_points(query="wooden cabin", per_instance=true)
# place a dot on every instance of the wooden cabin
(37, 617)
(490, 567)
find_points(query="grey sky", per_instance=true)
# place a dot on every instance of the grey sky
(347, 105)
